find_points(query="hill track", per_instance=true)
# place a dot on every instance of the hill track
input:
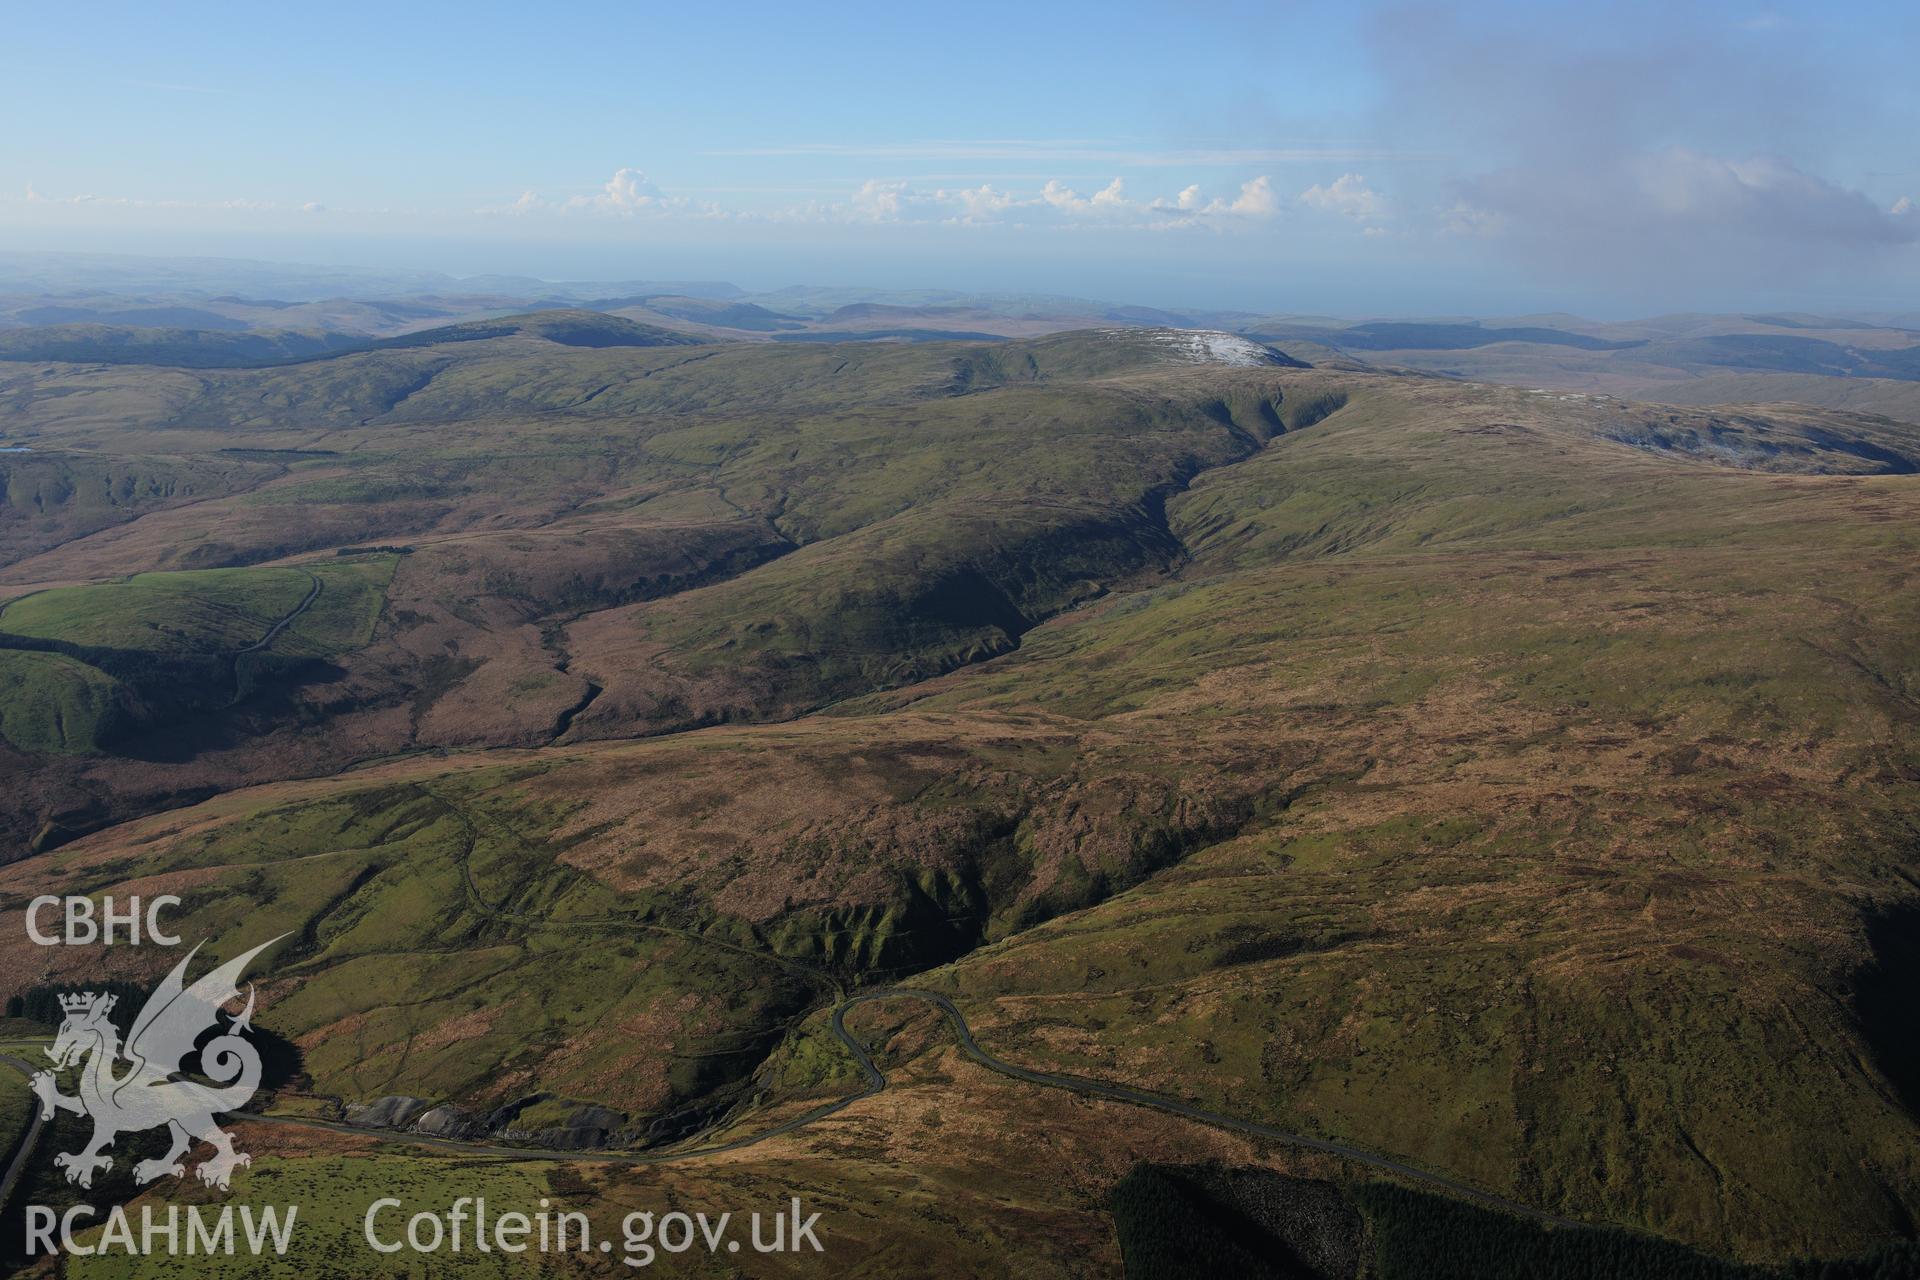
(875, 1080)
(29, 1141)
(273, 632)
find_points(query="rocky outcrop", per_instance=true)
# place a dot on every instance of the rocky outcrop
(585, 1127)
(395, 1111)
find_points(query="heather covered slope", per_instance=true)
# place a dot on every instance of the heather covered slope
(1504, 784)
(815, 523)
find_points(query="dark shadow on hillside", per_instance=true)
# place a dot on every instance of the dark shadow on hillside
(1206, 1222)
(1887, 999)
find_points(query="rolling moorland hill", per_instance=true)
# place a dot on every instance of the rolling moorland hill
(213, 314)
(188, 348)
(1871, 365)
(1516, 787)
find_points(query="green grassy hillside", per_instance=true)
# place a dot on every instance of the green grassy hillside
(50, 703)
(211, 611)
(84, 669)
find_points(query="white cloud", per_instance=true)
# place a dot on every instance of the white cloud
(895, 201)
(1057, 204)
(1111, 198)
(900, 201)
(983, 203)
(628, 193)
(881, 200)
(1256, 200)
(1348, 195)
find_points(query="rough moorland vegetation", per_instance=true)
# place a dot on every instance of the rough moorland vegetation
(1519, 787)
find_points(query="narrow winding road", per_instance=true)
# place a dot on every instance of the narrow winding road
(1174, 1106)
(28, 1141)
(874, 1080)
(273, 632)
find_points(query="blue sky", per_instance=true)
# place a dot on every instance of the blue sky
(1350, 159)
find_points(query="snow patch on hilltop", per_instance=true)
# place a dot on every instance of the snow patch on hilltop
(1205, 346)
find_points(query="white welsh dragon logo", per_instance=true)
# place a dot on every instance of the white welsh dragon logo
(145, 1095)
